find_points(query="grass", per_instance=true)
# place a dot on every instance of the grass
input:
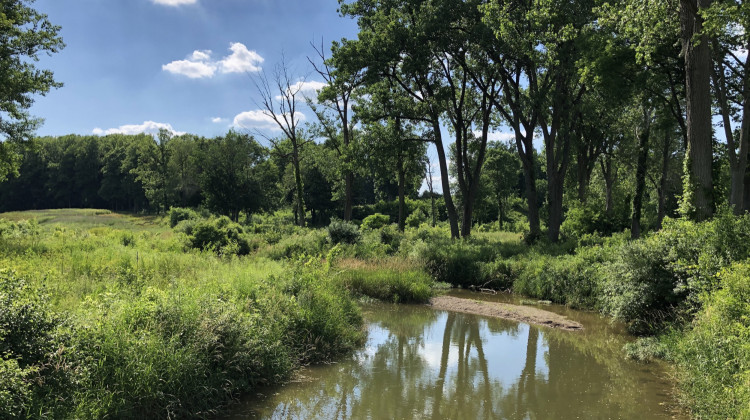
(142, 326)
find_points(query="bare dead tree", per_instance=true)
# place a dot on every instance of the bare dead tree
(279, 99)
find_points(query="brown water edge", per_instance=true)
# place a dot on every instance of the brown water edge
(424, 363)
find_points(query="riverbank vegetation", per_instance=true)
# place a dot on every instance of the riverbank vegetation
(562, 151)
(119, 315)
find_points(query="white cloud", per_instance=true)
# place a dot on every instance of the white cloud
(309, 89)
(191, 69)
(148, 127)
(217, 120)
(201, 55)
(241, 60)
(175, 3)
(199, 65)
(259, 120)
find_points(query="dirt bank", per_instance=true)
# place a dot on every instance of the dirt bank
(526, 314)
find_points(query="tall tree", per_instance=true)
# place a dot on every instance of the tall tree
(25, 33)
(698, 192)
(541, 43)
(334, 113)
(279, 99)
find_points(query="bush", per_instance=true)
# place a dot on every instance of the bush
(375, 221)
(26, 324)
(220, 235)
(714, 356)
(178, 214)
(340, 231)
(638, 286)
(311, 242)
(416, 218)
(15, 389)
(458, 263)
(571, 280)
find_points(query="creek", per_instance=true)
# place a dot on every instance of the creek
(423, 363)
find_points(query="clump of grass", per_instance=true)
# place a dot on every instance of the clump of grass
(395, 281)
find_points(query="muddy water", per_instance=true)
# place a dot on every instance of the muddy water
(423, 363)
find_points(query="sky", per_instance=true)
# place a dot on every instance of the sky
(135, 66)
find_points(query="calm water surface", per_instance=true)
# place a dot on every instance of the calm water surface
(422, 363)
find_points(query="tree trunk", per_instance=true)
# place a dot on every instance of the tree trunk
(401, 198)
(532, 199)
(449, 206)
(349, 200)
(500, 213)
(555, 183)
(665, 154)
(298, 184)
(640, 177)
(699, 155)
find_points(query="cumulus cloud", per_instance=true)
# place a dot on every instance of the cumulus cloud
(148, 127)
(309, 89)
(259, 120)
(217, 120)
(241, 60)
(199, 64)
(175, 3)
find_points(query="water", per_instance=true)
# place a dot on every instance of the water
(422, 363)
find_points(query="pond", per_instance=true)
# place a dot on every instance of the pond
(429, 364)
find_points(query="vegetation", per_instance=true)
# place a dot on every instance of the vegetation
(612, 155)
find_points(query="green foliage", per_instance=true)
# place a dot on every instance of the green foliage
(178, 214)
(456, 262)
(340, 231)
(713, 355)
(26, 324)
(305, 242)
(25, 33)
(15, 389)
(388, 282)
(220, 235)
(572, 280)
(375, 221)
(416, 218)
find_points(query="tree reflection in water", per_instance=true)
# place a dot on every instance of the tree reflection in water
(421, 363)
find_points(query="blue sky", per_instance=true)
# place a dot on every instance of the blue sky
(137, 65)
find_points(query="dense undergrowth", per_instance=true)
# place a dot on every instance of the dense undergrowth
(106, 317)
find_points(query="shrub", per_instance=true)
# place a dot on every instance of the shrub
(340, 231)
(714, 355)
(15, 389)
(178, 214)
(571, 280)
(310, 242)
(375, 221)
(416, 218)
(638, 286)
(220, 235)
(458, 263)
(26, 324)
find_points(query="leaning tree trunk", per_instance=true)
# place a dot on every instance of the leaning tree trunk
(449, 206)
(698, 194)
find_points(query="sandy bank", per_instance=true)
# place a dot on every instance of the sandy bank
(526, 314)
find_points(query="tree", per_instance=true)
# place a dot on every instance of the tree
(335, 115)
(25, 33)
(236, 175)
(153, 171)
(279, 100)
(698, 191)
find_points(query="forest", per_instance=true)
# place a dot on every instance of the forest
(591, 154)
